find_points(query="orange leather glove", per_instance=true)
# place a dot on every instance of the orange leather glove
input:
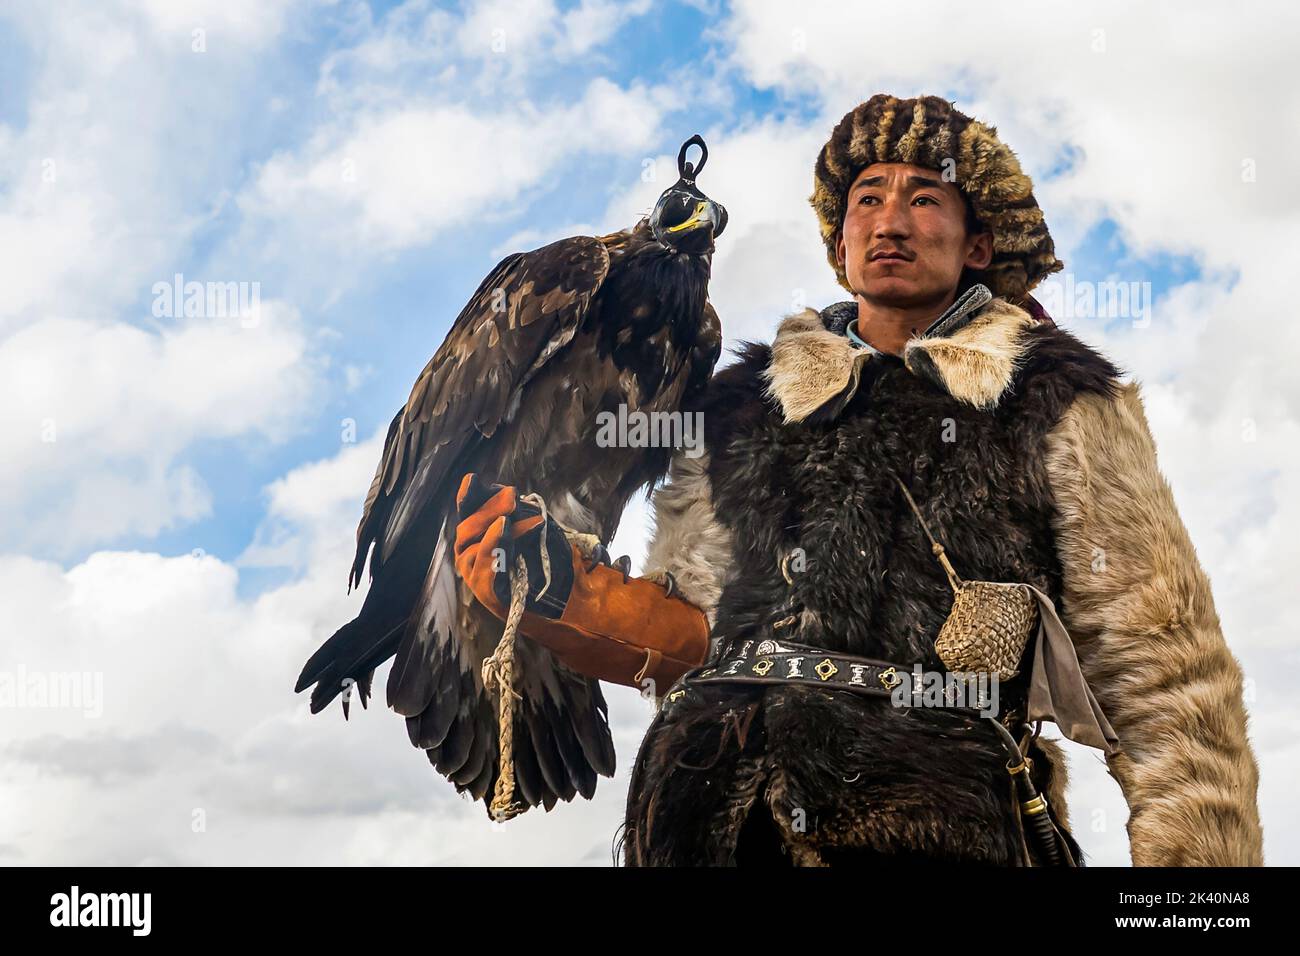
(596, 621)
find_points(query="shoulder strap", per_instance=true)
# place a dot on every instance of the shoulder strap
(953, 579)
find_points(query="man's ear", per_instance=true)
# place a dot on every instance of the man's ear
(839, 248)
(981, 251)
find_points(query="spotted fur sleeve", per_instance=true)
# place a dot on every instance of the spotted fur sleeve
(1140, 610)
(688, 539)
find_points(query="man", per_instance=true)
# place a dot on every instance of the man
(941, 383)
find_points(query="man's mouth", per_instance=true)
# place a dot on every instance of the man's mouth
(889, 254)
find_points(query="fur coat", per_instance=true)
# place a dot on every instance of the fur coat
(1032, 462)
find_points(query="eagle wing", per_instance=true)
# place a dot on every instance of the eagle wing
(525, 311)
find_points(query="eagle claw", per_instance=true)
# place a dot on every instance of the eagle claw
(598, 555)
(664, 578)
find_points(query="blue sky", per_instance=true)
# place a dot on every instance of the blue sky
(129, 156)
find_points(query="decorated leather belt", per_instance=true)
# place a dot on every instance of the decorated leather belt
(784, 662)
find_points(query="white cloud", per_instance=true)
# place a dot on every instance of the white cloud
(592, 22)
(310, 509)
(433, 121)
(101, 412)
(523, 32)
(396, 179)
(253, 23)
(117, 168)
(125, 133)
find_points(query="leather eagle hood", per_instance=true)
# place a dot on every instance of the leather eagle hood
(972, 351)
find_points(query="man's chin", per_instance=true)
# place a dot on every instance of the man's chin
(900, 293)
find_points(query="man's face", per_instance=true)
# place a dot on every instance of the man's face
(903, 241)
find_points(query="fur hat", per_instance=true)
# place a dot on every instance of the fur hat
(928, 131)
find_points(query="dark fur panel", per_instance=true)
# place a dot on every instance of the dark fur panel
(735, 403)
(1057, 362)
(898, 780)
(683, 792)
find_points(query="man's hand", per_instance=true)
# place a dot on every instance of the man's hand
(498, 525)
(592, 616)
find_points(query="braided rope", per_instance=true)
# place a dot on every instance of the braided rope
(498, 675)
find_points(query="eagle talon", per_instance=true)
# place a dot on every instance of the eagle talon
(589, 546)
(624, 564)
(664, 578)
(598, 555)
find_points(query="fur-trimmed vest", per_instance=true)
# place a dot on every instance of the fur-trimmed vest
(1015, 439)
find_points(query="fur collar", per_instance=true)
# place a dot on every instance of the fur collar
(816, 370)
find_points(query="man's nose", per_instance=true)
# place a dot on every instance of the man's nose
(892, 221)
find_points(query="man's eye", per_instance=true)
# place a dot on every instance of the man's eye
(863, 200)
(927, 199)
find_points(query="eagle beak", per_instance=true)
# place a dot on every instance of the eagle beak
(705, 213)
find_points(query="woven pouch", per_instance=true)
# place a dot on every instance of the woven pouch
(987, 628)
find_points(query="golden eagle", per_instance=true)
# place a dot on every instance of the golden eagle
(550, 340)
